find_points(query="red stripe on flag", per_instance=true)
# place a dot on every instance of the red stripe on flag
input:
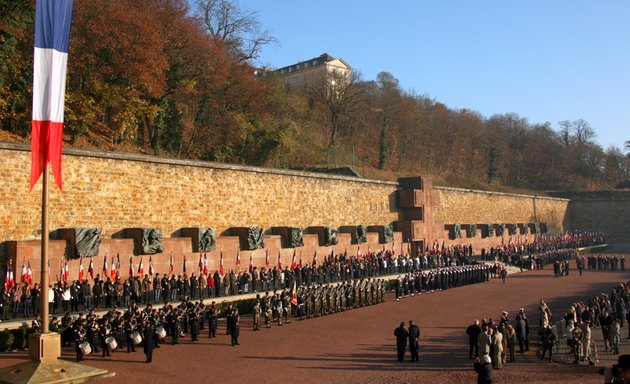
(46, 146)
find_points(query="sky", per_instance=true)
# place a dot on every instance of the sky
(545, 60)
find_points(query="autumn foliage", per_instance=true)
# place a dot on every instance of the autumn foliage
(149, 76)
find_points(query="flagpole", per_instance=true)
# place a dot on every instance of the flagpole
(43, 279)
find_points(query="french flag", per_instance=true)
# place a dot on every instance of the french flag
(52, 38)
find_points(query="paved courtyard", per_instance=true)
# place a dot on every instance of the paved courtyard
(358, 346)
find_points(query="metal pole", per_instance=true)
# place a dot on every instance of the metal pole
(43, 279)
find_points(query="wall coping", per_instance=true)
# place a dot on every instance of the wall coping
(196, 163)
(499, 193)
(23, 147)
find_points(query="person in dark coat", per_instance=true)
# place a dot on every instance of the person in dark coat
(473, 332)
(234, 327)
(401, 341)
(212, 320)
(414, 337)
(149, 341)
(522, 333)
(547, 339)
(483, 368)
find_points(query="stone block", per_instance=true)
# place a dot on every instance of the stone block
(358, 233)
(81, 242)
(204, 239)
(251, 238)
(147, 241)
(292, 237)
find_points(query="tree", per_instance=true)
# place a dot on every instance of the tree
(388, 98)
(337, 93)
(626, 146)
(16, 55)
(576, 132)
(239, 29)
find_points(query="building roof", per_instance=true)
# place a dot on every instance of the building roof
(316, 61)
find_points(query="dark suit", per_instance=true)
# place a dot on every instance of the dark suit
(473, 332)
(414, 337)
(401, 341)
(149, 342)
(234, 329)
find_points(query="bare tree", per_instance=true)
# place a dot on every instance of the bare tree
(576, 132)
(626, 146)
(238, 28)
(338, 93)
(389, 94)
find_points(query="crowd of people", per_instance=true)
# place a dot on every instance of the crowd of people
(609, 311)
(494, 343)
(105, 291)
(606, 262)
(438, 279)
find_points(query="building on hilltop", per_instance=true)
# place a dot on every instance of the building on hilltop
(323, 68)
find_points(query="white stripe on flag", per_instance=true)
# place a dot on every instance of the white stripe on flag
(49, 84)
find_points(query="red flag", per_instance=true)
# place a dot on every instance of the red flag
(140, 268)
(221, 269)
(293, 261)
(24, 273)
(30, 274)
(66, 272)
(81, 269)
(359, 257)
(105, 266)
(9, 282)
(130, 267)
(251, 262)
(91, 269)
(151, 270)
(294, 294)
(115, 267)
(7, 279)
(205, 264)
(279, 261)
(52, 40)
(238, 259)
(200, 263)
(267, 258)
(171, 267)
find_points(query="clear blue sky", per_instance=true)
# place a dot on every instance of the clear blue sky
(545, 60)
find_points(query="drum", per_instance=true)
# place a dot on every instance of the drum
(160, 332)
(136, 338)
(85, 348)
(111, 342)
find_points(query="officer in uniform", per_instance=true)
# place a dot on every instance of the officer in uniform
(257, 311)
(105, 332)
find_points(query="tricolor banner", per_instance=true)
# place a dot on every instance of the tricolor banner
(52, 39)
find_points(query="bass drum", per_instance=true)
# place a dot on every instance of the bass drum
(136, 338)
(85, 348)
(160, 332)
(111, 342)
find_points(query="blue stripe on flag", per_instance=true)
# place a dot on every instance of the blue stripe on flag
(52, 24)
